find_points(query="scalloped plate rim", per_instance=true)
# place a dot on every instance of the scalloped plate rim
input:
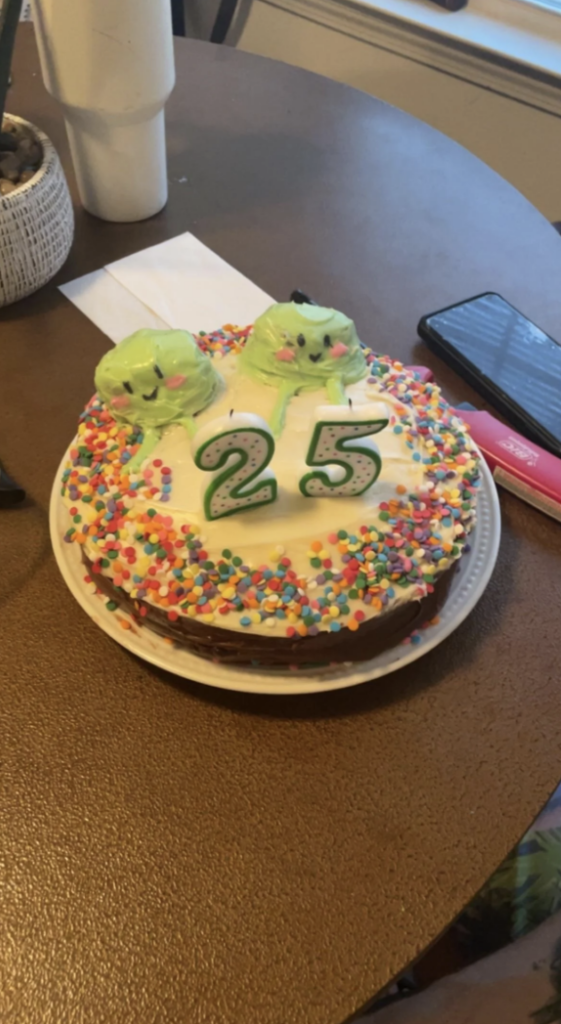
(467, 588)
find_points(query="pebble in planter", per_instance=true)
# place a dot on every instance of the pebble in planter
(21, 155)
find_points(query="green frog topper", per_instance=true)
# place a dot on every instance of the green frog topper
(298, 347)
(155, 378)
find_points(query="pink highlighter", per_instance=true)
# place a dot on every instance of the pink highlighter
(518, 465)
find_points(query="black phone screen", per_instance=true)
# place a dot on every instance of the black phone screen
(510, 351)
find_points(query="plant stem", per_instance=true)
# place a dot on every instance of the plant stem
(10, 11)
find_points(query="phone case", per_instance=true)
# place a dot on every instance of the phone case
(524, 469)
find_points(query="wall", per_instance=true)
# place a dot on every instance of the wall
(520, 142)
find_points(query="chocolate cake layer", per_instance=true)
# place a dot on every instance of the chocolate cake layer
(235, 648)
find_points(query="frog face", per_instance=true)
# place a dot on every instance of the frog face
(304, 343)
(153, 378)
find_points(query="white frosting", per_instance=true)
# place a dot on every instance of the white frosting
(292, 523)
(292, 518)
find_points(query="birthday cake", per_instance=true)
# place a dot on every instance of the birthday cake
(274, 495)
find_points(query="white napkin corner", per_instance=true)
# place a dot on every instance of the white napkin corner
(180, 283)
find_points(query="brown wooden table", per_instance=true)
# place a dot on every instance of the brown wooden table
(174, 854)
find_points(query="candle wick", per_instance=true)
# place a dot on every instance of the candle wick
(231, 412)
(350, 404)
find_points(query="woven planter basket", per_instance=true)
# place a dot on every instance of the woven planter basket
(36, 226)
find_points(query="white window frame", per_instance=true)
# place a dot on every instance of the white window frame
(510, 46)
(525, 32)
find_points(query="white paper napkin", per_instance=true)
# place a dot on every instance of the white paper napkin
(179, 283)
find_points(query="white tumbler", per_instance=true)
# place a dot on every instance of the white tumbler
(110, 65)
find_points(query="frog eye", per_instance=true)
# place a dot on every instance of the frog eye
(301, 340)
(158, 372)
(327, 341)
(128, 387)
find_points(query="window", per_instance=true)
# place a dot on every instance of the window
(551, 5)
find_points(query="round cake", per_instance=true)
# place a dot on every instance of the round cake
(273, 495)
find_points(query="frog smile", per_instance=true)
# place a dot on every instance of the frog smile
(152, 396)
(314, 356)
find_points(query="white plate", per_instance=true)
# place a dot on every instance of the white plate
(467, 587)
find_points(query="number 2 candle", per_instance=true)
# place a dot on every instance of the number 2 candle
(237, 450)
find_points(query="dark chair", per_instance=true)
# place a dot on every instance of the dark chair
(178, 17)
(222, 22)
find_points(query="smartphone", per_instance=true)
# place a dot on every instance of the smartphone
(504, 356)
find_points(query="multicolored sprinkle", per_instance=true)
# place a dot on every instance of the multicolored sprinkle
(155, 559)
(220, 343)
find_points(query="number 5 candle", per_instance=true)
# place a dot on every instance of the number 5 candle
(237, 449)
(350, 468)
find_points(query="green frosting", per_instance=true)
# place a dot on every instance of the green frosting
(297, 347)
(154, 378)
